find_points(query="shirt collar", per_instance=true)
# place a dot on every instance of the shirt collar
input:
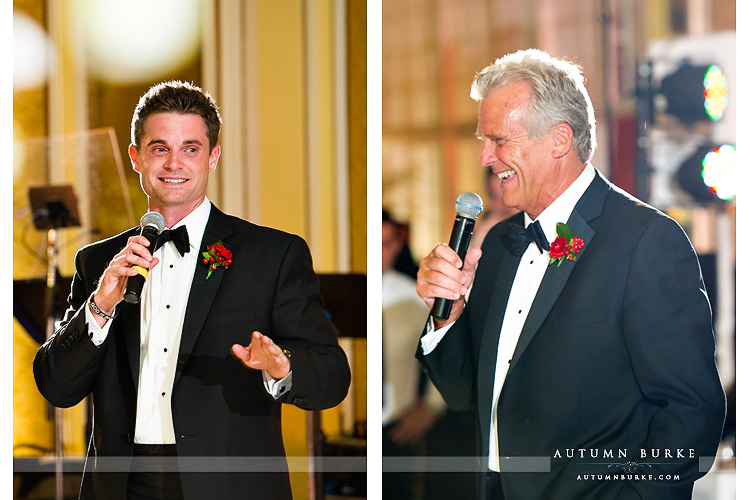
(560, 209)
(195, 222)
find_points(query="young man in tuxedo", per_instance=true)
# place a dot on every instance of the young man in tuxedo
(588, 348)
(187, 385)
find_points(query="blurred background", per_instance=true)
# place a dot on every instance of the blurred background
(661, 75)
(289, 78)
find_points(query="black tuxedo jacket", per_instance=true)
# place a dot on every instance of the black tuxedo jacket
(222, 414)
(617, 356)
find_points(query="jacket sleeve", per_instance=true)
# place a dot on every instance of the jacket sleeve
(320, 370)
(66, 365)
(670, 341)
(450, 365)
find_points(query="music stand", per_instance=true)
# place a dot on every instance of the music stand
(345, 297)
(53, 208)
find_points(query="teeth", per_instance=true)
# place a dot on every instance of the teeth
(174, 181)
(506, 174)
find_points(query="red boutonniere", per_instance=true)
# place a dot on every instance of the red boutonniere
(565, 246)
(216, 256)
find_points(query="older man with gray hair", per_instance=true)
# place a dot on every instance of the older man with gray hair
(587, 344)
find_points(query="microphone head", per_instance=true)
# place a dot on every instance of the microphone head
(155, 220)
(469, 205)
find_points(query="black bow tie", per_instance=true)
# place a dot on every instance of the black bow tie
(178, 236)
(517, 238)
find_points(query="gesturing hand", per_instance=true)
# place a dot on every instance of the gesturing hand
(441, 275)
(263, 354)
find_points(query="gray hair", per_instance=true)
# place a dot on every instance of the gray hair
(558, 95)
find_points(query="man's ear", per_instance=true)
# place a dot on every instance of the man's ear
(133, 154)
(562, 140)
(213, 159)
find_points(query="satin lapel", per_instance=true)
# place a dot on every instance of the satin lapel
(555, 278)
(551, 287)
(202, 290)
(130, 322)
(491, 334)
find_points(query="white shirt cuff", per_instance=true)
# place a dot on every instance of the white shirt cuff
(277, 388)
(97, 334)
(431, 339)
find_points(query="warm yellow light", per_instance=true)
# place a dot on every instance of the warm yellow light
(716, 93)
(140, 40)
(32, 53)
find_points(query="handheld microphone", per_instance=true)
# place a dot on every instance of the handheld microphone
(468, 207)
(151, 225)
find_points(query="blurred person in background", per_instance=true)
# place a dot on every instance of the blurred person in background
(409, 408)
(416, 422)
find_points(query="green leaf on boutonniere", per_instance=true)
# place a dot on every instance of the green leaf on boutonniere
(216, 256)
(565, 246)
(564, 231)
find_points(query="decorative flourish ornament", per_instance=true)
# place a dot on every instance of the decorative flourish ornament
(565, 247)
(216, 256)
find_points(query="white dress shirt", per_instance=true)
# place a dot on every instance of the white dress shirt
(525, 286)
(163, 305)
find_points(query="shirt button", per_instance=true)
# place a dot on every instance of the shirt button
(168, 306)
(165, 349)
(163, 394)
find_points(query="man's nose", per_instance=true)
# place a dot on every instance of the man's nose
(173, 161)
(487, 155)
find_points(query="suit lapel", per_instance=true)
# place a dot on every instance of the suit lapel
(202, 290)
(491, 334)
(555, 278)
(130, 322)
(551, 287)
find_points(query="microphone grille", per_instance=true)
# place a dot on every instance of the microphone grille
(469, 205)
(154, 219)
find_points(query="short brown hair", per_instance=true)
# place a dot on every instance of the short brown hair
(177, 97)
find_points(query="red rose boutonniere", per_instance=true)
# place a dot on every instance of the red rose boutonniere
(565, 246)
(216, 256)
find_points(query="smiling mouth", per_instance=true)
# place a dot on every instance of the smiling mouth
(173, 181)
(504, 176)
